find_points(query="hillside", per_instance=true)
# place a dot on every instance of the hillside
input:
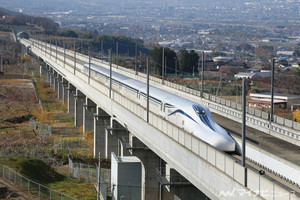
(11, 18)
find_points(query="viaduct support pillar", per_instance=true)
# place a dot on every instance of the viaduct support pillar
(43, 70)
(122, 134)
(111, 142)
(71, 91)
(79, 100)
(51, 77)
(60, 88)
(89, 108)
(114, 133)
(100, 119)
(56, 82)
(151, 163)
(64, 91)
(181, 187)
(48, 75)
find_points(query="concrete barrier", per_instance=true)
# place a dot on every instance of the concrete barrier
(188, 141)
(265, 115)
(213, 98)
(239, 173)
(227, 103)
(211, 155)
(296, 126)
(181, 137)
(220, 161)
(233, 105)
(251, 111)
(288, 123)
(206, 96)
(257, 113)
(279, 120)
(223, 101)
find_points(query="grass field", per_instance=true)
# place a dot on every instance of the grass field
(18, 105)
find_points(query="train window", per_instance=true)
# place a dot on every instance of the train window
(200, 112)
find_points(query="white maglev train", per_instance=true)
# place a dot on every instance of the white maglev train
(186, 114)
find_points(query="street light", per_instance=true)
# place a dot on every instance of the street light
(272, 91)
(202, 73)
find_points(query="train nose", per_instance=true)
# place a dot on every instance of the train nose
(225, 144)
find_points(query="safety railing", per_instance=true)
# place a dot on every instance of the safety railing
(89, 173)
(33, 188)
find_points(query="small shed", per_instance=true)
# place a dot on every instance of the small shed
(280, 100)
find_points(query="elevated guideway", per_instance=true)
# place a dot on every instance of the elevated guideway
(218, 175)
(281, 128)
(255, 125)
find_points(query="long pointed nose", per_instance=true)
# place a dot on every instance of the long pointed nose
(224, 143)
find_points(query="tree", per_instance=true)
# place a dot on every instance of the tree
(296, 116)
(156, 57)
(194, 59)
(126, 45)
(68, 33)
(188, 60)
(245, 47)
(264, 52)
(184, 62)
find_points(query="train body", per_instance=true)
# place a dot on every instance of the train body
(186, 114)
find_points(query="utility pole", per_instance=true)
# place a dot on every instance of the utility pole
(162, 65)
(148, 89)
(99, 177)
(202, 75)
(110, 73)
(45, 42)
(64, 53)
(1, 63)
(117, 53)
(135, 58)
(89, 52)
(193, 71)
(244, 131)
(56, 50)
(272, 91)
(165, 73)
(50, 48)
(175, 65)
(74, 56)
(102, 50)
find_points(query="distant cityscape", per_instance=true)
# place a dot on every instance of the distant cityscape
(178, 24)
